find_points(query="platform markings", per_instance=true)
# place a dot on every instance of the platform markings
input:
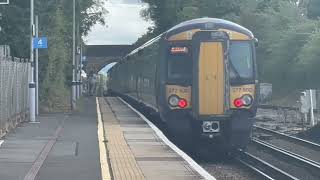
(43, 155)
(105, 174)
(187, 158)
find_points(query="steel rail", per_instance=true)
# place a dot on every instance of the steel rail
(310, 165)
(262, 168)
(292, 139)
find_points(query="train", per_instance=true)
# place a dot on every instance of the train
(200, 77)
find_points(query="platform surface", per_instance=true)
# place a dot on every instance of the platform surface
(105, 139)
(74, 154)
(135, 151)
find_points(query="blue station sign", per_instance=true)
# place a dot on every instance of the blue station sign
(40, 43)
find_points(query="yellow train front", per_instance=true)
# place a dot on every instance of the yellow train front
(200, 77)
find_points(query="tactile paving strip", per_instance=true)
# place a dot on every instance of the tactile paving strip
(123, 162)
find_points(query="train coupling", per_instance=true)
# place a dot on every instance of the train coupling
(211, 127)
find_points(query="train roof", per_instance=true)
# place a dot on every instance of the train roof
(208, 24)
(200, 23)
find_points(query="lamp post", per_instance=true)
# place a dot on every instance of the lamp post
(37, 68)
(74, 84)
(81, 69)
(32, 87)
(78, 52)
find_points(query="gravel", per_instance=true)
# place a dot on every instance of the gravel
(312, 134)
(285, 121)
(229, 171)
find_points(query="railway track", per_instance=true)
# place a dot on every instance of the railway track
(279, 156)
(262, 168)
(315, 146)
(300, 147)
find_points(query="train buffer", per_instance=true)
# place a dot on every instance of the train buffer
(105, 139)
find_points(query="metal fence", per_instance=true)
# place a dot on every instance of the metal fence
(14, 73)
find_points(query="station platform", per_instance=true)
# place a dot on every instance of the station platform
(105, 139)
(62, 146)
(138, 150)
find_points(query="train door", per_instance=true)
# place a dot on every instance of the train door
(210, 81)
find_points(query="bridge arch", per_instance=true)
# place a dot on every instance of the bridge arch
(98, 56)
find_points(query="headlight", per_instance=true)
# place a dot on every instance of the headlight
(206, 126)
(247, 100)
(173, 101)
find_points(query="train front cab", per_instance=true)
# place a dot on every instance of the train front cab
(224, 85)
(220, 98)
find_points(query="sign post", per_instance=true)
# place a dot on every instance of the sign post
(308, 104)
(40, 43)
(311, 108)
(305, 106)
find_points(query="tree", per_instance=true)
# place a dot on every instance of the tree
(56, 71)
(56, 23)
(54, 91)
(313, 9)
(289, 40)
(15, 29)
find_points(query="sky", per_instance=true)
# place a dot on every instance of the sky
(124, 24)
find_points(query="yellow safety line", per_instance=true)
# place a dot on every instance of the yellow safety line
(103, 152)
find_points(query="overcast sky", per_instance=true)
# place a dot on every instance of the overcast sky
(124, 24)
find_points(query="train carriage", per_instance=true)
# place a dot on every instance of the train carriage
(200, 76)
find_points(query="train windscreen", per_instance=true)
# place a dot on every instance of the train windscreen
(179, 63)
(241, 60)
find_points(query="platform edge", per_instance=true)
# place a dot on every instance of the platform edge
(202, 172)
(105, 169)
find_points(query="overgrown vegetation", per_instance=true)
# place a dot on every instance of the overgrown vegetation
(288, 30)
(55, 17)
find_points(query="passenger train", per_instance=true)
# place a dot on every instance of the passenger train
(200, 77)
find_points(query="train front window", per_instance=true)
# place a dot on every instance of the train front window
(241, 60)
(179, 66)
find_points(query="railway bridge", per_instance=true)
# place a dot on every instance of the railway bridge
(98, 56)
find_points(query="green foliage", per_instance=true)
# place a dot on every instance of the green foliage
(167, 13)
(57, 74)
(15, 29)
(54, 90)
(55, 20)
(313, 9)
